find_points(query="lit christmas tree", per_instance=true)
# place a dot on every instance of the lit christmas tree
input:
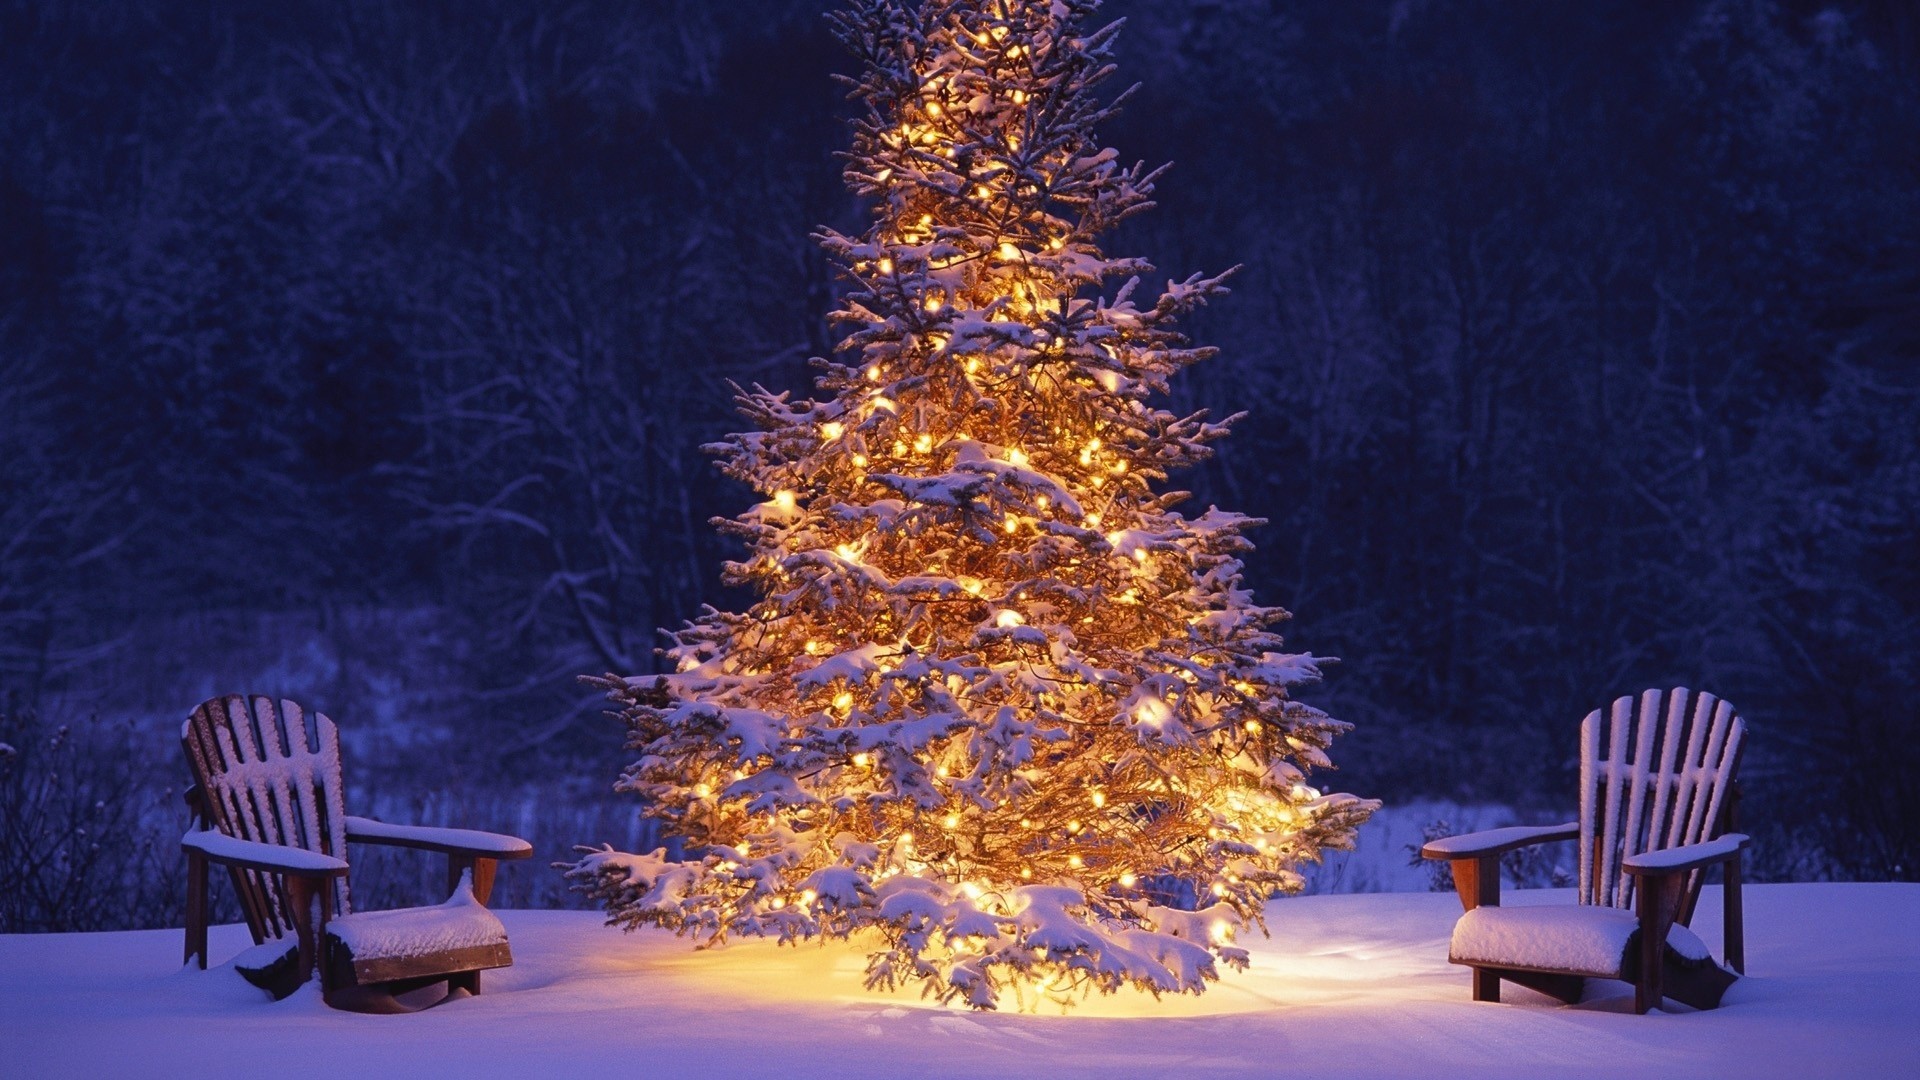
(999, 704)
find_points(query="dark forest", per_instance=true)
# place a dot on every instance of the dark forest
(364, 352)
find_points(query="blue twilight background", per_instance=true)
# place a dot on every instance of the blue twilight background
(362, 352)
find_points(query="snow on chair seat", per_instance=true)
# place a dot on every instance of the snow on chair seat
(459, 935)
(1581, 939)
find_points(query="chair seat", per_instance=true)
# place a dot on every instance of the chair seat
(1580, 939)
(461, 927)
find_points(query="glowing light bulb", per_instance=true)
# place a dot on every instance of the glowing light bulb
(1219, 889)
(808, 897)
(973, 891)
(951, 821)
(885, 266)
(1099, 798)
(1127, 880)
(1073, 827)
(777, 903)
(1152, 711)
(1076, 861)
(1019, 97)
(1056, 243)
(863, 759)
(1093, 521)
(983, 191)
(1008, 251)
(1025, 872)
(847, 552)
(702, 790)
(784, 501)
(843, 701)
(1042, 502)
(1026, 823)
(1140, 555)
(832, 429)
(860, 461)
(973, 365)
(1252, 726)
(1221, 931)
(1086, 457)
(1008, 618)
(932, 303)
(923, 444)
(1017, 458)
(1012, 524)
(933, 108)
(873, 372)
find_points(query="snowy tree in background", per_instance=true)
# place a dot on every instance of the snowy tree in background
(1000, 709)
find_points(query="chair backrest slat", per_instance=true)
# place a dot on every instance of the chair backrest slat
(270, 774)
(1589, 782)
(1634, 838)
(1646, 805)
(1621, 719)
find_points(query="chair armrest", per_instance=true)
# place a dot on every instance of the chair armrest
(1496, 841)
(268, 858)
(470, 842)
(1675, 860)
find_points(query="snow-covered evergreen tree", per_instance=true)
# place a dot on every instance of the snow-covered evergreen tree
(999, 703)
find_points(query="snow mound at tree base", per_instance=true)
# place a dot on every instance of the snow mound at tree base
(1355, 985)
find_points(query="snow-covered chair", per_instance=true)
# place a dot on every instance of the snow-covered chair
(269, 805)
(1649, 828)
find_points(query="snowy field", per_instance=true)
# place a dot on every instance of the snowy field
(1350, 985)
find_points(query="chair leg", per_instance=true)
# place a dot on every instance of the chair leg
(301, 894)
(197, 915)
(1733, 922)
(1486, 985)
(1658, 903)
(464, 980)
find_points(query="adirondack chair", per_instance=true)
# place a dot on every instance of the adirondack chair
(269, 806)
(1649, 829)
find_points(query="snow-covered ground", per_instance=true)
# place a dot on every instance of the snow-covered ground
(1351, 985)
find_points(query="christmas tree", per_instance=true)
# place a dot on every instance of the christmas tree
(1000, 708)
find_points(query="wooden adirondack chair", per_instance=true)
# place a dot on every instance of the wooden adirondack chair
(269, 805)
(1649, 828)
